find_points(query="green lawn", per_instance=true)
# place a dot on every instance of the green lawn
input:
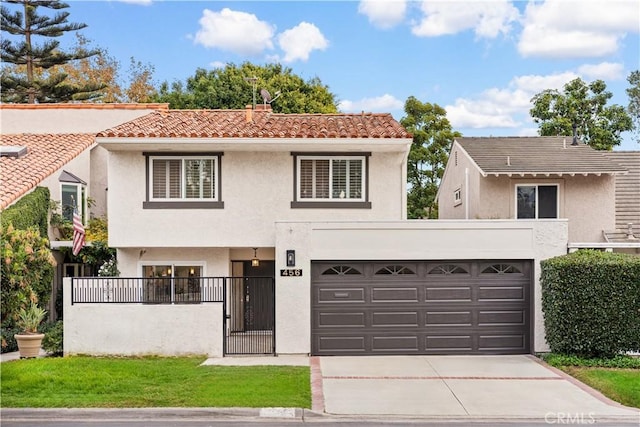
(621, 385)
(82, 382)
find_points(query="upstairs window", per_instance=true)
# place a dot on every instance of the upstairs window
(73, 196)
(334, 179)
(183, 181)
(536, 201)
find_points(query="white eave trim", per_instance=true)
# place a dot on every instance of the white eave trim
(243, 144)
(552, 174)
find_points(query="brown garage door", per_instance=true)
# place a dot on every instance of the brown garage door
(450, 307)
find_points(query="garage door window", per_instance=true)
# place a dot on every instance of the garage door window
(448, 269)
(537, 201)
(340, 270)
(501, 269)
(395, 270)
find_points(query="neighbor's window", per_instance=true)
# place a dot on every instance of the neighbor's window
(183, 182)
(170, 283)
(537, 201)
(457, 197)
(74, 196)
(339, 178)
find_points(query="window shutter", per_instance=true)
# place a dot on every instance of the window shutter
(355, 179)
(322, 179)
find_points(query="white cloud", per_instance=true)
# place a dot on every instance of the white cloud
(487, 18)
(298, 42)
(384, 103)
(217, 64)
(574, 29)
(383, 13)
(504, 107)
(237, 32)
(603, 71)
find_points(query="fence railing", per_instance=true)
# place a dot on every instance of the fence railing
(154, 290)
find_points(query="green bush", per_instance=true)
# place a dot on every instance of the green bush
(31, 210)
(591, 303)
(9, 343)
(620, 361)
(53, 338)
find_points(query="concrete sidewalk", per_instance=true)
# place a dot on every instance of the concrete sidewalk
(458, 387)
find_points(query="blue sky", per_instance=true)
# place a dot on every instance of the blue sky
(481, 60)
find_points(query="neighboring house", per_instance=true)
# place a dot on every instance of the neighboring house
(541, 178)
(245, 231)
(627, 226)
(53, 146)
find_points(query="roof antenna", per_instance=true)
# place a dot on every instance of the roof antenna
(253, 80)
(266, 96)
(575, 134)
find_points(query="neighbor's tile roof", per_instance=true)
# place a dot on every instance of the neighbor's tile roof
(265, 124)
(627, 188)
(46, 154)
(536, 155)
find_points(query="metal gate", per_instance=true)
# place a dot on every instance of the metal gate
(249, 315)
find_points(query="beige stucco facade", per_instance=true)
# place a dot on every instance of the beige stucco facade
(588, 202)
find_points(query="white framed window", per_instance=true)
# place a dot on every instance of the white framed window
(73, 196)
(183, 180)
(175, 178)
(537, 201)
(457, 197)
(330, 178)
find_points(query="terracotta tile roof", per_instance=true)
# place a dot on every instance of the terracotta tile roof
(264, 124)
(46, 154)
(85, 106)
(627, 188)
(536, 155)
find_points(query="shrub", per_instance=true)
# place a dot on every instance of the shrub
(9, 343)
(53, 338)
(31, 210)
(26, 270)
(591, 303)
(621, 361)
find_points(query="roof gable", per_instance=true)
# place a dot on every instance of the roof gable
(536, 156)
(46, 154)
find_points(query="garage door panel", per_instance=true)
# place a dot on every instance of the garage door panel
(448, 294)
(394, 294)
(447, 307)
(448, 318)
(407, 344)
(395, 319)
(341, 320)
(496, 318)
(502, 343)
(341, 295)
(443, 344)
(501, 293)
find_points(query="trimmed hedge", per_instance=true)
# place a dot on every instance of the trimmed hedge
(591, 303)
(31, 210)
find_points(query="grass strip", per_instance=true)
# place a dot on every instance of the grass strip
(83, 382)
(621, 385)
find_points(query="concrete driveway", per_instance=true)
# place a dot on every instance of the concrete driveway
(457, 387)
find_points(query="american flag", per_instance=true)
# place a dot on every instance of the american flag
(78, 233)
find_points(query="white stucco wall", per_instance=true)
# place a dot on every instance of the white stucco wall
(55, 118)
(405, 240)
(139, 329)
(257, 190)
(453, 179)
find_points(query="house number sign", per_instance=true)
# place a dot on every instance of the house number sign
(291, 272)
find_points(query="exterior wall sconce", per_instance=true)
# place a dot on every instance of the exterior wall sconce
(291, 258)
(255, 262)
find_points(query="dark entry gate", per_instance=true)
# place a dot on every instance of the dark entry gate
(249, 316)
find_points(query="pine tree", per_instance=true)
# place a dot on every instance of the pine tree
(37, 83)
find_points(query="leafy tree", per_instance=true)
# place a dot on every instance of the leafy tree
(27, 267)
(585, 106)
(432, 139)
(634, 102)
(228, 88)
(141, 87)
(26, 24)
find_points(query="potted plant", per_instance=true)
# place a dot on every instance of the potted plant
(29, 340)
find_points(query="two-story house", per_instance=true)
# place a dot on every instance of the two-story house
(246, 231)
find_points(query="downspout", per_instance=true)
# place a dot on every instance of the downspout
(466, 193)
(403, 187)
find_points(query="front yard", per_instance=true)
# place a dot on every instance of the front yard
(89, 382)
